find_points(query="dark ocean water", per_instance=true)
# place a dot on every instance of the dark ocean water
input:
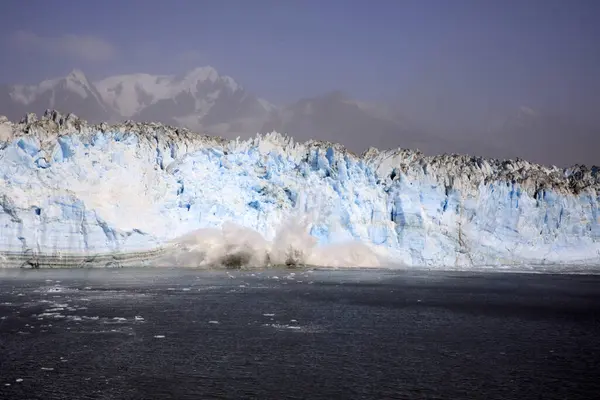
(187, 334)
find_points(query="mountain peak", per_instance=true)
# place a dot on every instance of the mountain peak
(75, 82)
(201, 74)
(207, 74)
(77, 75)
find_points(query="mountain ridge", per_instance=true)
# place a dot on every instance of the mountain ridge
(203, 100)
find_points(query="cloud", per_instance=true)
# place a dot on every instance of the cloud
(81, 47)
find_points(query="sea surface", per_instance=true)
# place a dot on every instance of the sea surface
(306, 334)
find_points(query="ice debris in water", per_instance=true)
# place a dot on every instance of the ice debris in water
(143, 193)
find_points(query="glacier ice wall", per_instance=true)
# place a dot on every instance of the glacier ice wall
(67, 188)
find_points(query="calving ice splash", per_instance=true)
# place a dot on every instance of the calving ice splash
(234, 246)
(148, 194)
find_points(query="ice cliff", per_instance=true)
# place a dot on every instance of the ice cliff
(72, 193)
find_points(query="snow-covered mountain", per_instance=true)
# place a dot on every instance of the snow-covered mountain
(200, 99)
(130, 94)
(73, 92)
(205, 101)
(134, 194)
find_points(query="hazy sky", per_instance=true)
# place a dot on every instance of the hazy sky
(452, 61)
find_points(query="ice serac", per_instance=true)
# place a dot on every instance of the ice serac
(72, 193)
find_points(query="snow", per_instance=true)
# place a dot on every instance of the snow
(75, 82)
(129, 94)
(133, 189)
(201, 74)
(122, 91)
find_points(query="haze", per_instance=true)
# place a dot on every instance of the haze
(492, 78)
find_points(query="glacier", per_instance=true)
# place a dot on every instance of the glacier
(73, 194)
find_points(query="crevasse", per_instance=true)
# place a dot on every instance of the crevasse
(69, 189)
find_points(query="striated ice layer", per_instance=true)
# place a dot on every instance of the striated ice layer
(68, 189)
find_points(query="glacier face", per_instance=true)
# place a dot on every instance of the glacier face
(71, 189)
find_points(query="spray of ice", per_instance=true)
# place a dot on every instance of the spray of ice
(235, 246)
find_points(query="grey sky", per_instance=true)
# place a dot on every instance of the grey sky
(454, 66)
